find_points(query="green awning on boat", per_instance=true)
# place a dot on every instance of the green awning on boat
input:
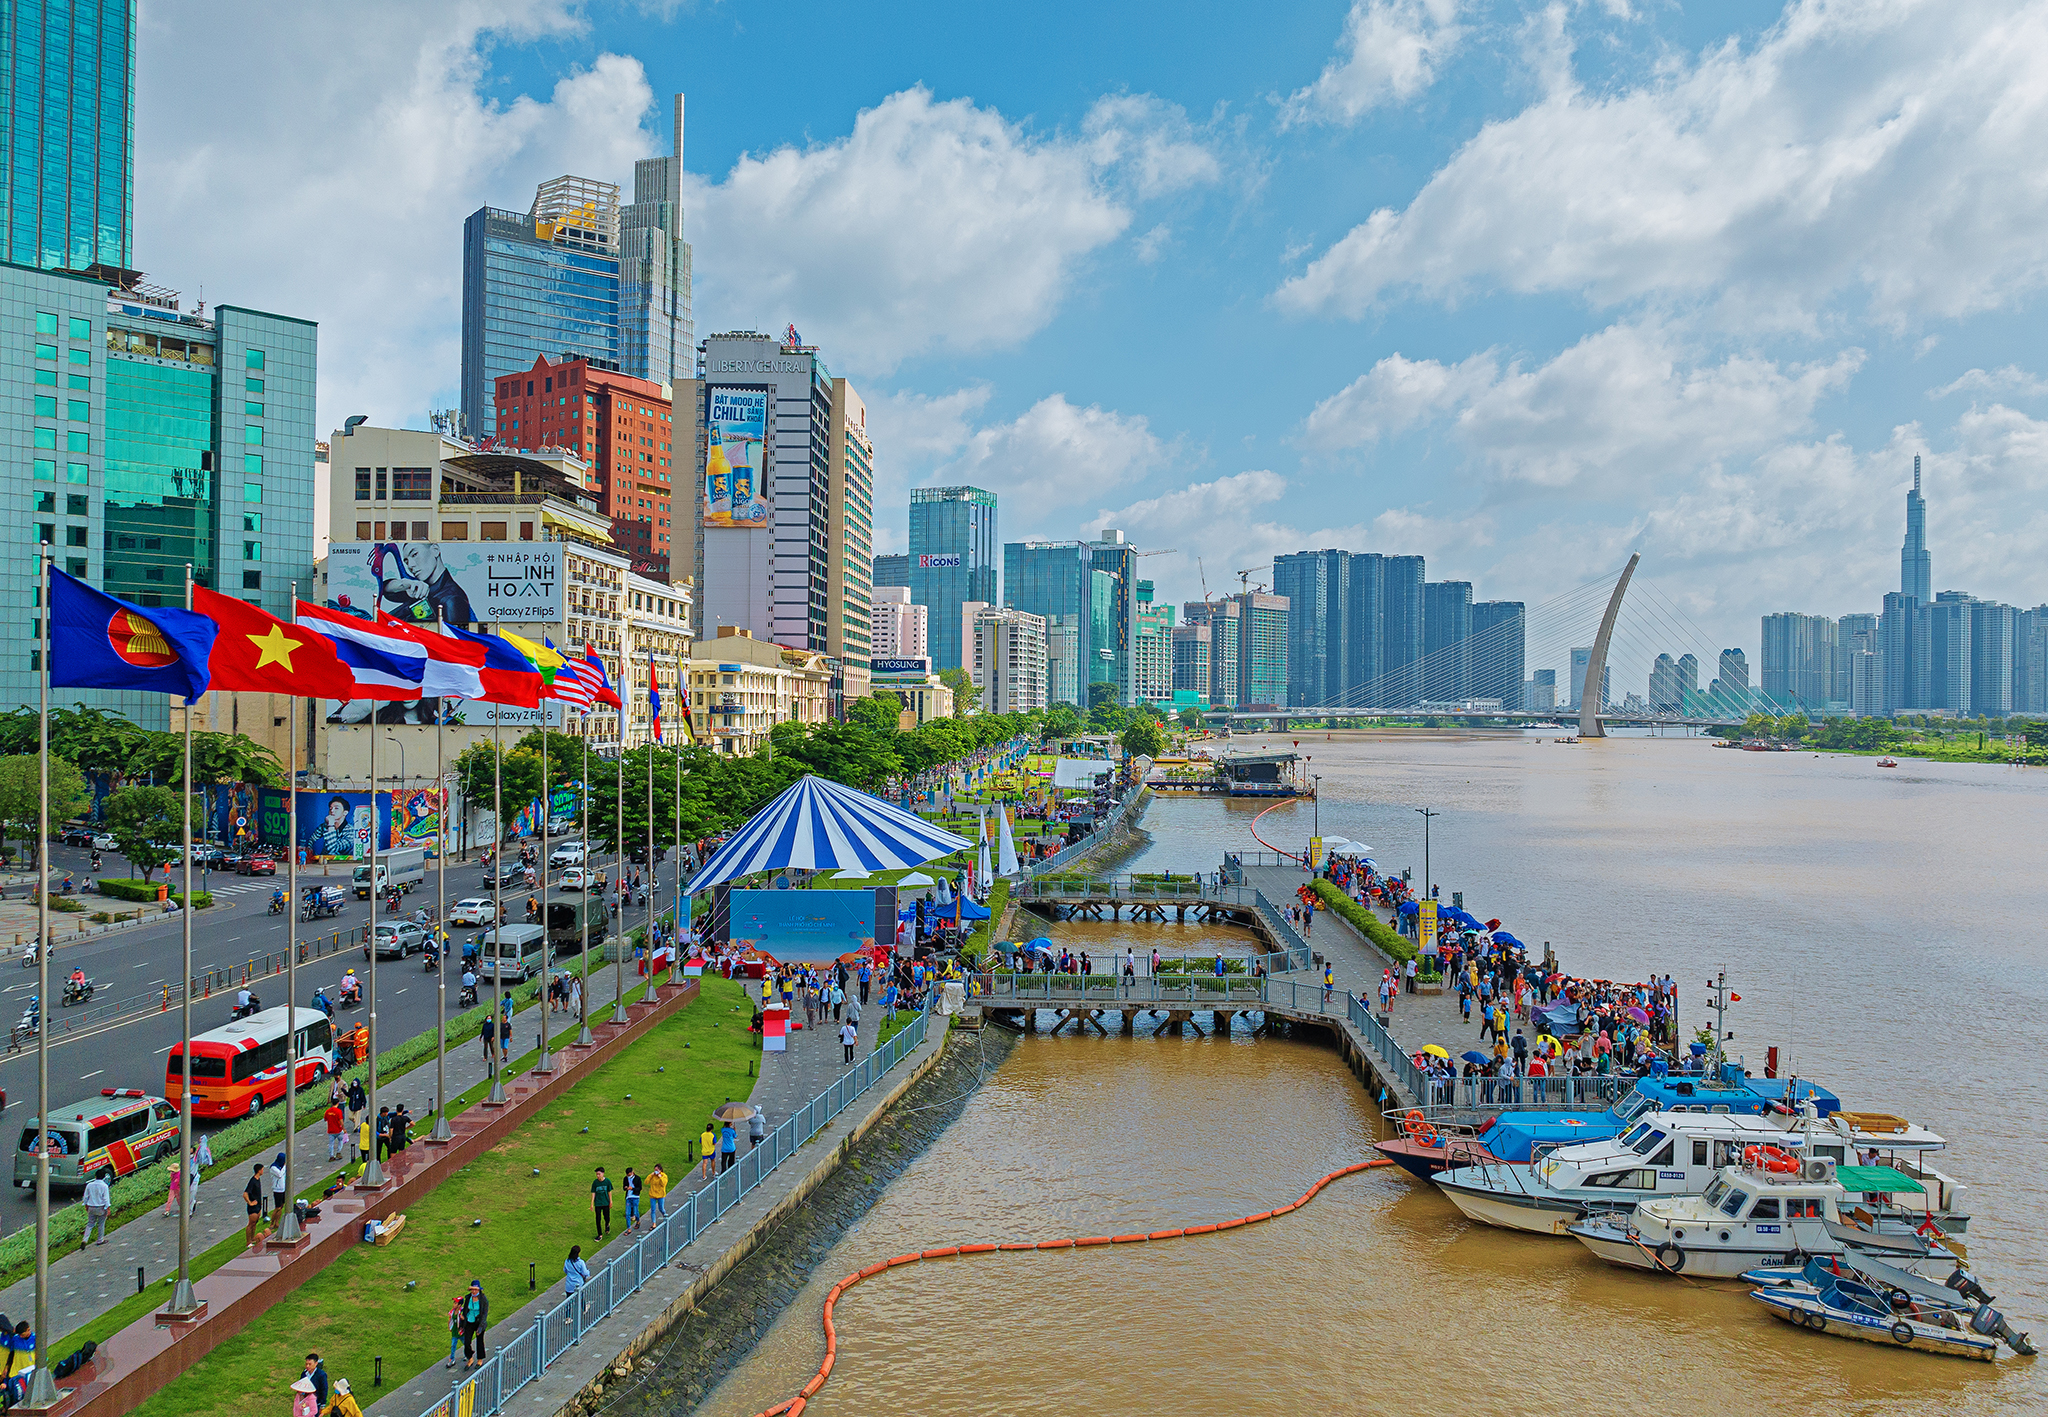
(1875, 1178)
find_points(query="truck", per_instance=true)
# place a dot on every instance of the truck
(574, 923)
(404, 868)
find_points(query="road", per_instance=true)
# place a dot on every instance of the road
(141, 961)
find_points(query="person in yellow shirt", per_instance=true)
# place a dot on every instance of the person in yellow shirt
(708, 1145)
(657, 1191)
(365, 1146)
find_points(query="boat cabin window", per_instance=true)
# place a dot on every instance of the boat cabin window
(1803, 1209)
(1634, 1132)
(1716, 1189)
(1630, 1180)
(1766, 1209)
(1699, 1153)
(1736, 1200)
(1631, 1106)
(1643, 1140)
(1835, 1154)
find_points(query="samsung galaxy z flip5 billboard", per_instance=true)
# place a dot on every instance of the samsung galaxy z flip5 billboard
(464, 582)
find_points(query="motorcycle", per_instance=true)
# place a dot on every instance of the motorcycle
(95, 862)
(466, 999)
(277, 905)
(323, 1003)
(28, 955)
(77, 991)
(25, 1031)
(254, 1006)
(351, 998)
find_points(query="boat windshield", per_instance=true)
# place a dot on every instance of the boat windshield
(1631, 1106)
(1716, 1189)
(1644, 1145)
(1736, 1200)
(1638, 1130)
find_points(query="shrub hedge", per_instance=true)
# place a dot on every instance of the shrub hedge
(1390, 941)
(145, 891)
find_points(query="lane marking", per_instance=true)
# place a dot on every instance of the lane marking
(91, 1075)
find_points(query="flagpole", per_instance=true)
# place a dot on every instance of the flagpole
(675, 955)
(42, 1390)
(183, 1300)
(373, 1170)
(497, 901)
(545, 1063)
(289, 1231)
(653, 893)
(583, 1038)
(439, 943)
(619, 952)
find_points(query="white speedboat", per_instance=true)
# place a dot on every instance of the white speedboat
(1763, 1212)
(1678, 1153)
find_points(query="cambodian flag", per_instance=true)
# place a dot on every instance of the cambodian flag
(653, 696)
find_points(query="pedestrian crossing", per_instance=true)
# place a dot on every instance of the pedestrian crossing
(241, 887)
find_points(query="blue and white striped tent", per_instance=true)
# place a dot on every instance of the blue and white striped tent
(821, 826)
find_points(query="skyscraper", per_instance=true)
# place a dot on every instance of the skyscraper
(1582, 659)
(2030, 660)
(1446, 641)
(1499, 651)
(1191, 659)
(543, 283)
(1365, 609)
(659, 337)
(849, 560)
(1401, 621)
(1151, 655)
(892, 570)
(1942, 654)
(1222, 618)
(1262, 650)
(1664, 696)
(952, 561)
(1991, 658)
(1799, 660)
(1916, 568)
(1317, 586)
(1897, 637)
(67, 167)
(1728, 696)
(897, 629)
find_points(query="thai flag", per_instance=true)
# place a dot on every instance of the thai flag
(653, 696)
(386, 665)
(591, 668)
(454, 667)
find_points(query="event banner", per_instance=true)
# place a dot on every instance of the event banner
(467, 582)
(738, 437)
(806, 926)
(1426, 925)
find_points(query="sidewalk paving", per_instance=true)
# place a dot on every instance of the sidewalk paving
(85, 1284)
(789, 1079)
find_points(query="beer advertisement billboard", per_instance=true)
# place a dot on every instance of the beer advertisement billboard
(736, 455)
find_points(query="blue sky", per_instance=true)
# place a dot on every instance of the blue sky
(1522, 287)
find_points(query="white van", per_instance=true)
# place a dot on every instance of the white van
(520, 953)
(403, 868)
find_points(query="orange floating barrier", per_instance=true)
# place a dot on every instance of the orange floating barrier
(1055, 1244)
(1126, 1239)
(940, 1253)
(1255, 1219)
(1233, 1224)
(904, 1259)
(1199, 1230)
(1017, 1245)
(1165, 1235)
(976, 1249)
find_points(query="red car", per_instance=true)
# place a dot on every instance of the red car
(256, 866)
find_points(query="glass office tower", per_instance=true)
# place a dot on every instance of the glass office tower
(952, 560)
(67, 166)
(543, 282)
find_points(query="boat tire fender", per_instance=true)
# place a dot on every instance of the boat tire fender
(1902, 1332)
(1817, 1322)
(1670, 1256)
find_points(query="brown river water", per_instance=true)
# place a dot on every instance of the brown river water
(1883, 926)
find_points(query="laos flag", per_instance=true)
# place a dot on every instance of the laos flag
(99, 642)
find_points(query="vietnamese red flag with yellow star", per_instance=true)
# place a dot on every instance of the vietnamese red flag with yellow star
(261, 653)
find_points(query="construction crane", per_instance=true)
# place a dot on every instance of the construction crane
(1171, 551)
(1244, 579)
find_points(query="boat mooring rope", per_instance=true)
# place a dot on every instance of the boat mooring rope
(793, 1407)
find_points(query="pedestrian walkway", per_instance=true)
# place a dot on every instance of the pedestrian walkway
(813, 1060)
(85, 1284)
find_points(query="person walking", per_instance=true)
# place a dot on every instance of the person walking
(657, 1194)
(866, 974)
(335, 1120)
(304, 1404)
(177, 1191)
(601, 1202)
(487, 1033)
(708, 1145)
(253, 1194)
(315, 1372)
(344, 1403)
(728, 1147)
(630, 1184)
(98, 1199)
(838, 1000)
(205, 1154)
(475, 1316)
(358, 1100)
(454, 1330)
(757, 1129)
(849, 1036)
(575, 1272)
(278, 1199)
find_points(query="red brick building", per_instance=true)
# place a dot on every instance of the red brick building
(624, 427)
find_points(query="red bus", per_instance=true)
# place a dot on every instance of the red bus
(238, 1069)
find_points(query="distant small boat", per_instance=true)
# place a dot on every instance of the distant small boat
(1887, 762)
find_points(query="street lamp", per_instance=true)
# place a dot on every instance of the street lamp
(1428, 890)
(1317, 779)
(402, 776)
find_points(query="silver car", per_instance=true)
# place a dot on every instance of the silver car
(398, 938)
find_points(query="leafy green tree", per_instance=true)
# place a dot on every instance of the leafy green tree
(966, 693)
(146, 825)
(1144, 738)
(1191, 719)
(1061, 721)
(878, 712)
(217, 758)
(21, 796)
(474, 774)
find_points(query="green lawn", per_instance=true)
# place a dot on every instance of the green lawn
(359, 1307)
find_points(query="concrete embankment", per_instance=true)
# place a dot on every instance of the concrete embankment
(682, 1359)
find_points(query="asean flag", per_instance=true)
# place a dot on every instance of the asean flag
(260, 653)
(100, 642)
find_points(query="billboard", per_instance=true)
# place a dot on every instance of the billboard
(939, 562)
(737, 430)
(803, 925)
(336, 825)
(466, 581)
(920, 666)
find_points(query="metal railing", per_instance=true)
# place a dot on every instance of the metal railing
(1281, 929)
(524, 1357)
(1202, 991)
(1441, 1098)
(1109, 824)
(1189, 889)
(1399, 1064)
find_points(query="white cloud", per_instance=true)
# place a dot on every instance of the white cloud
(1886, 151)
(344, 202)
(2010, 380)
(1625, 409)
(1052, 455)
(1391, 51)
(933, 225)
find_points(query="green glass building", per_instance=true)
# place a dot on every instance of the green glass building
(67, 167)
(142, 438)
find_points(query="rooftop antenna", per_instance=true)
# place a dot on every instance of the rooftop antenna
(1916, 472)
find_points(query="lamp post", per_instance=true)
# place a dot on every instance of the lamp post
(1428, 890)
(403, 776)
